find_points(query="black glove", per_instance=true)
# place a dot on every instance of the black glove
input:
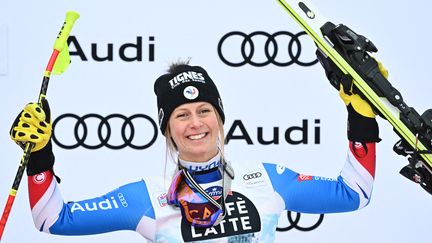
(362, 125)
(33, 124)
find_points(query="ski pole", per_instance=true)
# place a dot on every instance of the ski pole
(59, 46)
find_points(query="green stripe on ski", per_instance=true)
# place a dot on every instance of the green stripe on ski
(358, 81)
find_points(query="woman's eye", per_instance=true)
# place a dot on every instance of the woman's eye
(181, 115)
(205, 110)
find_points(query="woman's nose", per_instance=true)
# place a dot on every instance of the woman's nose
(196, 121)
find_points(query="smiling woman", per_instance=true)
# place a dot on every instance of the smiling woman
(194, 129)
(205, 201)
(190, 111)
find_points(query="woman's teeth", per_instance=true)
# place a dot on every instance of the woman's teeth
(198, 136)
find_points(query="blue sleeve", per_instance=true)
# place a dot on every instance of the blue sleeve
(121, 209)
(311, 194)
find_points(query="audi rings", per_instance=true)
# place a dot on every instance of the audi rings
(295, 223)
(251, 176)
(104, 135)
(270, 53)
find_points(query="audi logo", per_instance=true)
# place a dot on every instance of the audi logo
(295, 223)
(271, 48)
(252, 176)
(104, 131)
(122, 200)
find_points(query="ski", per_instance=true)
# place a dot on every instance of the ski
(352, 55)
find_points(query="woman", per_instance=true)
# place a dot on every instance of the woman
(205, 200)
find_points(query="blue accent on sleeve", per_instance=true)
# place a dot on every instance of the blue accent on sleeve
(120, 209)
(316, 195)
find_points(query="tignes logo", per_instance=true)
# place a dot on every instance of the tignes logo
(137, 50)
(186, 77)
(140, 131)
(260, 49)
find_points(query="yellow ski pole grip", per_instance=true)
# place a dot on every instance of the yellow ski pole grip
(71, 17)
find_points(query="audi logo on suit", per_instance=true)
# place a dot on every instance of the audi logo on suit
(254, 175)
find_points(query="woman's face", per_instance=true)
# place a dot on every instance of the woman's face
(195, 129)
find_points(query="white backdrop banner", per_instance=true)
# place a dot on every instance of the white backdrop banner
(279, 105)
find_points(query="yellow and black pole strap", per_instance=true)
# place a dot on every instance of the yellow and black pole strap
(59, 46)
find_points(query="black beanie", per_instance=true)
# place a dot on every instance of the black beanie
(185, 84)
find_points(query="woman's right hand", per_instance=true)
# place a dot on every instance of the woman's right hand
(32, 125)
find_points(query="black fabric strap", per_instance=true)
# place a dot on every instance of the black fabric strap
(41, 160)
(360, 128)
